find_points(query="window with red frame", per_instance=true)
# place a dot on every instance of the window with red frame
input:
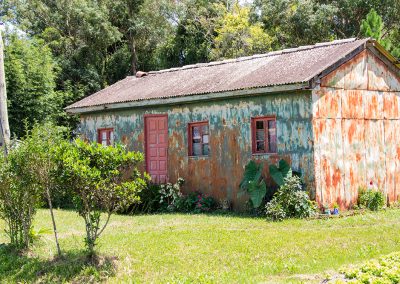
(105, 136)
(198, 139)
(264, 134)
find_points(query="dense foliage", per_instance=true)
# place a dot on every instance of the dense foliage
(77, 47)
(386, 269)
(101, 179)
(290, 201)
(19, 196)
(26, 175)
(168, 197)
(372, 199)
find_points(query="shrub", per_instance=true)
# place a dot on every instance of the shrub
(290, 201)
(373, 199)
(196, 202)
(170, 194)
(149, 200)
(275, 211)
(28, 176)
(19, 195)
(97, 176)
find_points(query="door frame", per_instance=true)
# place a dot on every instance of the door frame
(145, 116)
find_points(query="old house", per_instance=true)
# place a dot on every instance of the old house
(331, 109)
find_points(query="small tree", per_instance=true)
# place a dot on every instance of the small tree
(100, 181)
(42, 143)
(19, 195)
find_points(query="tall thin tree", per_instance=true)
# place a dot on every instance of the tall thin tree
(5, 128)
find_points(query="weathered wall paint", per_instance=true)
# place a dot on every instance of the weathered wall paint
(220, 173)
(356, 125)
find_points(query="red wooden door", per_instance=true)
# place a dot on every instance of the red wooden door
(157, 147)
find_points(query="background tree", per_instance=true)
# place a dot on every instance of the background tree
(372, 26)
(31, 75)
(237, 36)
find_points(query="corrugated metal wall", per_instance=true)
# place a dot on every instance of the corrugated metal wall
(356, 124)
(230, 138)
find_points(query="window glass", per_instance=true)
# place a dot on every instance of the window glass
(272, 135)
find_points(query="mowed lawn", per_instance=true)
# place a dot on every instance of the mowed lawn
(203, 248)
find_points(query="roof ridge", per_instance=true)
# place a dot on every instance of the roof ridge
(255, 56)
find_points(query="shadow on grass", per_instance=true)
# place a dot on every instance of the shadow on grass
(73, 266)
(216, 213)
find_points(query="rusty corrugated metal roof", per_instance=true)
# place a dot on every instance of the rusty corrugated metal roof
(289, 66)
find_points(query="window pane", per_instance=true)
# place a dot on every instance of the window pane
(103, 135)
(111, 137)
(272, 136)
(260, 146)
(260, 134)
(204, 129)
(205, 149)
(197, 149)
(196, 133)
(260, 124)
(205, 138)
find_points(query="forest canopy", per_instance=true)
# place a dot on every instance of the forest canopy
(58, 51)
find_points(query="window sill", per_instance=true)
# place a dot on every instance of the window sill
(199, 157)
(263, 154)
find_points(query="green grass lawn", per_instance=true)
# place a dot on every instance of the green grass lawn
(203, 248)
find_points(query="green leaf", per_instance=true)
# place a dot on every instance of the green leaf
(279, 173)
(257, 193)
(250, 172)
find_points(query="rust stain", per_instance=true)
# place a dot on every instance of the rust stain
(336, 178)
(351, 132)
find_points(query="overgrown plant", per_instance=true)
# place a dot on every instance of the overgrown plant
(371, 198)
(170, 194)
(100, 183)
(281, 171)
(196, 202)
(253, 184)
(290, 201)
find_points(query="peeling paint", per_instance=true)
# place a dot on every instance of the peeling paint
(220, 173)
(356, 113)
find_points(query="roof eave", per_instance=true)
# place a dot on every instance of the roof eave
(190, 98)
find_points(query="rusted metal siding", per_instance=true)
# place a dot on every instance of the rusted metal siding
(356, 124)
(220, 173)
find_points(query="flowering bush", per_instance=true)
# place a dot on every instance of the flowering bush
(170, 194)
(196, 202)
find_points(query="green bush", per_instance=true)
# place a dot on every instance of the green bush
(196, 202)
(383, 270)
(97, 176)
(149, 200)
(290, 201)
(372, 199)
(170, 194)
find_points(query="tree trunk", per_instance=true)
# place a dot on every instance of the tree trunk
(134, 60)
(53, 220)
(5, 128)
